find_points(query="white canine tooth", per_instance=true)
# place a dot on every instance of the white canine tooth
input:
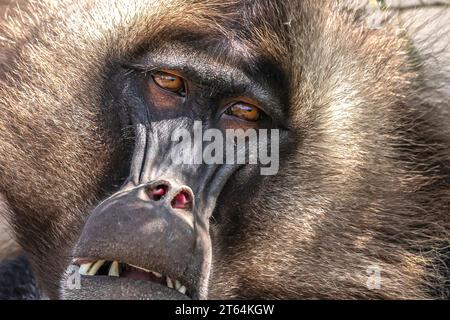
(182, 289)
(84, 268)
(114, 269)
(159, 275)
(95, 267)
(177, 284)
(169, 282)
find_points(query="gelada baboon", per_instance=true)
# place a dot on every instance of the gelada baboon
(91, 90)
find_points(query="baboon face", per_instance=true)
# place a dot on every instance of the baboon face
(96, 91)
(190, 82)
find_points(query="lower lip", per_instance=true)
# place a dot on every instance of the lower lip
(115, 288)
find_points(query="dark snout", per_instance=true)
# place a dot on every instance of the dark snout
(151, 238)
(146, 218)
(150, 227)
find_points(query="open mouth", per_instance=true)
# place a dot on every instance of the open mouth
(170, 259)
(91, 268)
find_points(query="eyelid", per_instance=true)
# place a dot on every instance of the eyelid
(168, 71)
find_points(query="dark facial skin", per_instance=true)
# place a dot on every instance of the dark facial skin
(163, 209)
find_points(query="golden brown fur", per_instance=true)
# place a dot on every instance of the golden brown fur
(8, 247)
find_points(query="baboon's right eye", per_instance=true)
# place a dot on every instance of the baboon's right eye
(170, 82)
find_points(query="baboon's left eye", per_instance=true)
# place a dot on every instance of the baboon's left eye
(244, 111)
(170, 82)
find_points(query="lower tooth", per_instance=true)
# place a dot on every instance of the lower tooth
(169, 282)
(114, 269)
(95, 267)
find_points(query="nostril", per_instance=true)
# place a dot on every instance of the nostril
(182, 201)
(158, 192)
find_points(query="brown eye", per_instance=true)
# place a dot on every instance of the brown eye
(244, 111)
(170, 82)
